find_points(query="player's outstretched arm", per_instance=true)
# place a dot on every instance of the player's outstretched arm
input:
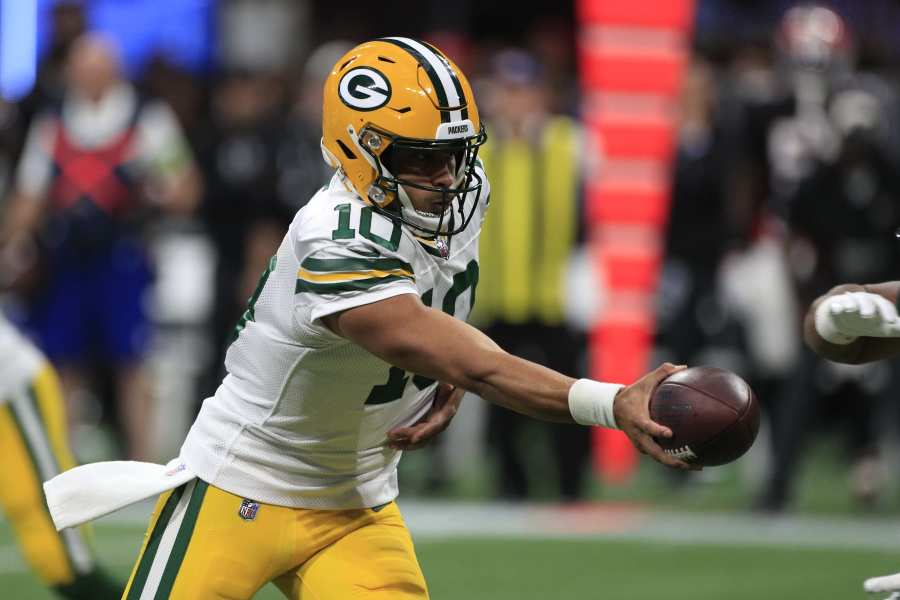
(407, 334)
(855, 324)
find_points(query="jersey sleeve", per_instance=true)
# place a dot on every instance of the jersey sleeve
(335, 275)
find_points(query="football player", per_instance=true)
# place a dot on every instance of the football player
(856, 324)
(353, 348)
(33, 447)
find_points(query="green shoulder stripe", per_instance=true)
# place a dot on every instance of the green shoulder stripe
(352, 265)
(345, 286)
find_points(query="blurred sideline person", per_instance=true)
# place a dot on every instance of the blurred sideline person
(843, 214)
(34, 448)
(260, 167)
(91, 169)
(238, 152)
(68, 22)
(302, 171)
(533, 157)
(694, 323)
(353, 348)
(817, 161)
(857, 324)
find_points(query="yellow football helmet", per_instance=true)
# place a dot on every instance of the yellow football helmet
(399, 93)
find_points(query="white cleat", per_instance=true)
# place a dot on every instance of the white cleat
(886, 583)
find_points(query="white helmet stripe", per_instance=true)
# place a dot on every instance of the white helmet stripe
(440, 67)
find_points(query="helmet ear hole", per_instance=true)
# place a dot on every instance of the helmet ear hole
(346, 150)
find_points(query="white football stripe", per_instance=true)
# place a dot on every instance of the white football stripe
(166, 543)
(442, 71)
(36, 438)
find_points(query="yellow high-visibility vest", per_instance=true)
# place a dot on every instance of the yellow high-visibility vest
(531, 226)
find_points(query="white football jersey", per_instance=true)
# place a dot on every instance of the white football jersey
(20, 361)
(302, 416)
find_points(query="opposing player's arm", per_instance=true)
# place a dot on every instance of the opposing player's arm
(861, 348)
(407, 334)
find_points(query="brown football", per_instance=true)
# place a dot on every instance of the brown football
(713, 415)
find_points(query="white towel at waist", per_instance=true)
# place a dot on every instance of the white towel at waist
(91, 491)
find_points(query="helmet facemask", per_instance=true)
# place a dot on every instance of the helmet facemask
(388, 193)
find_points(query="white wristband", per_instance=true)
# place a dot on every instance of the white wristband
(826, 327)
(591, 402)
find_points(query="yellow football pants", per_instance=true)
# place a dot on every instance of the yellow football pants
(34, 448)
(206, 543)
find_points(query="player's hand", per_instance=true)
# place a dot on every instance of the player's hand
(437, 419)
(842, 318)
(631, 410)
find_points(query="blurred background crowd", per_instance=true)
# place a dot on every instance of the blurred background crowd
(152, 166)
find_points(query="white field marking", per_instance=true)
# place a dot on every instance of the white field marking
(622, 522)
(435, 521)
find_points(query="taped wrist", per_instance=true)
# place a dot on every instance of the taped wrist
(591, 402)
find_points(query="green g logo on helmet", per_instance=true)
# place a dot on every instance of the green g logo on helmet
(364, 88)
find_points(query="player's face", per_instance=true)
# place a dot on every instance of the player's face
(432, 168)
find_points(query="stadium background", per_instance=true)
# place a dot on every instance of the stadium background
(720, 148)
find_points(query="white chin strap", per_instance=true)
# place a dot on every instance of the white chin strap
(425, 221)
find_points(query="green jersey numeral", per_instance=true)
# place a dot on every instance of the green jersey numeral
(365, 229)
(397, 378)
(390, 391)
(343, 231)
(462, 281)
(250, 313)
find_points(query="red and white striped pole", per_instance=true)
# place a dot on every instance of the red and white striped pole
(631, 59)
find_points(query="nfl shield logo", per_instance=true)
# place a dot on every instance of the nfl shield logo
(443, 248)
(248, 510)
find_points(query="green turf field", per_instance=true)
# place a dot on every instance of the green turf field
(647, 540)
(498, 568)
